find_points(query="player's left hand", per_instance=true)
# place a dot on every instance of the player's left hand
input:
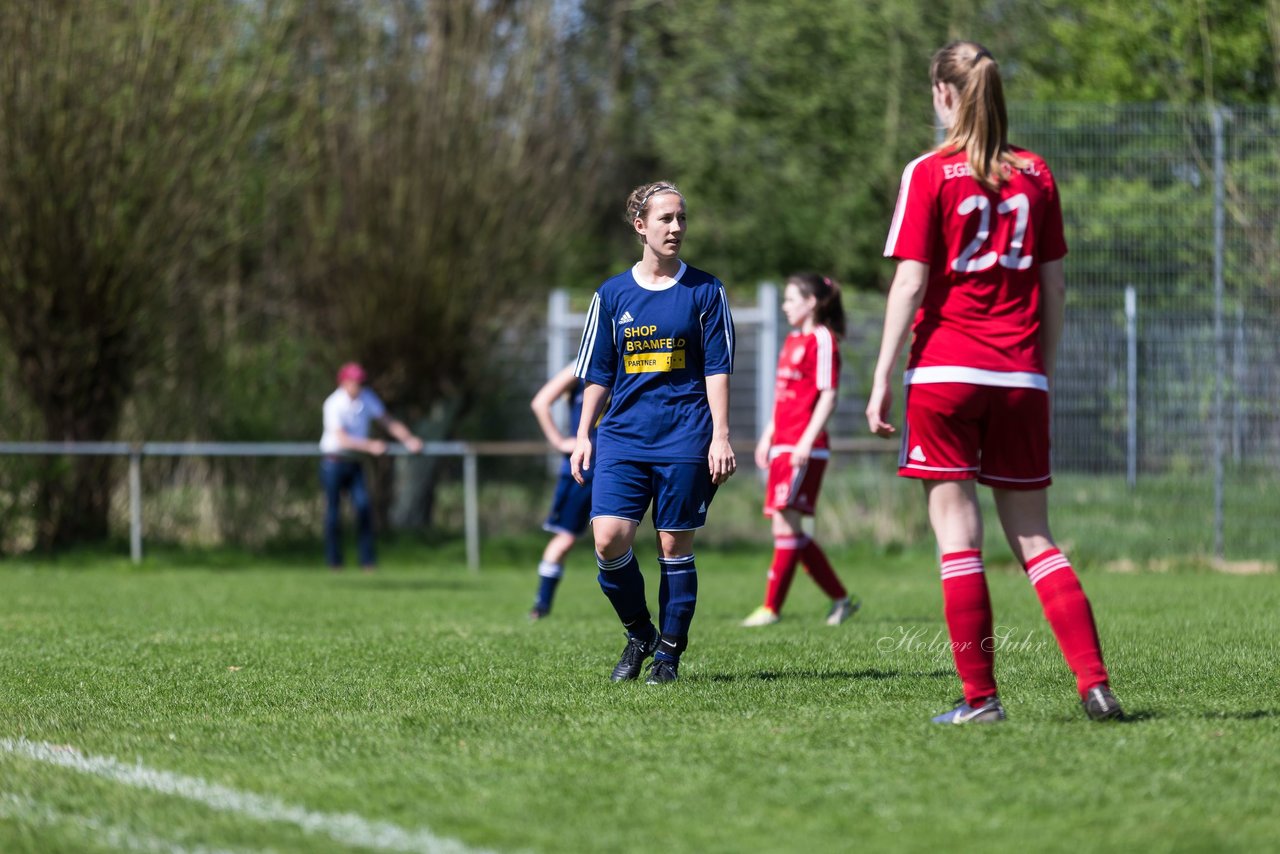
(721, 461)
(413, 445)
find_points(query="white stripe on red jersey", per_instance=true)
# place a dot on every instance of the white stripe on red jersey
(808, 365)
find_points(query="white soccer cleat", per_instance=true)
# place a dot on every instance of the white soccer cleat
(843, 609)
(762, 616)
(989, 711)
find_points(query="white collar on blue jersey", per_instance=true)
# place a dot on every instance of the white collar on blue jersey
(652, 287)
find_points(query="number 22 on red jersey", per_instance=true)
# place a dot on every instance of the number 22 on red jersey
(946, 219)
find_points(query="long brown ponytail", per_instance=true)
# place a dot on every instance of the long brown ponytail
(981, 125)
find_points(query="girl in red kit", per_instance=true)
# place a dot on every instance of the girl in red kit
(794, 448)
(978, 237)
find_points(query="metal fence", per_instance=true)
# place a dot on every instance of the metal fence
(469, 453)
(1169, 363)
(1169, 374)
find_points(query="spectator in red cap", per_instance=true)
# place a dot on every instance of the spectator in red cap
(348, 413)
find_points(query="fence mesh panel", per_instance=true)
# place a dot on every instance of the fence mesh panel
(1179, 204)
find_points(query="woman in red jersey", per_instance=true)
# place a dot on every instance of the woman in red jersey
(977, 233)
(793, 447)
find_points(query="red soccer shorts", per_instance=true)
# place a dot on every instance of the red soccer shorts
(792, 488)
(958, 431)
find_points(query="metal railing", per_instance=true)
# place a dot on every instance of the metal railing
(469, 452)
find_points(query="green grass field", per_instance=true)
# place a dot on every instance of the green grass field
(216, 702)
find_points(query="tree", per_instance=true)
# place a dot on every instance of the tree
(443, 151)
(786, 124)
(122, 127)
(1178, 51)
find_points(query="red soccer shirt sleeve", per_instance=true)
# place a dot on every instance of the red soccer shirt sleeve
(915, 217)
(826, 372)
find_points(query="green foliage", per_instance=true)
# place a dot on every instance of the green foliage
(1181, 51)
(123, 132)
(207, 206)
(439, 152)
(786, 125)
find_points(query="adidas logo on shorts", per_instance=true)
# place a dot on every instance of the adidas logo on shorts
(917, 454)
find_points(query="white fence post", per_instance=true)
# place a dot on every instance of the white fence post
(1219, 340)
(1131, 384)
(558, 354)
(135, 504)
(559, 322)
(766, 353)
(471, 505)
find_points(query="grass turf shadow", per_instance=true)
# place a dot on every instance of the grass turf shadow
(811, 675)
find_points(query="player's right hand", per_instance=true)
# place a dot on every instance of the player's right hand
(580, 460)
(721, 462)
(377, 447)
(878, 410)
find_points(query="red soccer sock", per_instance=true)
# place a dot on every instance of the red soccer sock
(819, 569)
(786, 551)
(1069, 615)
(967, 607)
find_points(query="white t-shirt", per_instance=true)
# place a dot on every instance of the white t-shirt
(351, 415)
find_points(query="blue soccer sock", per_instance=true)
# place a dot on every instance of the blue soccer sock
(677, 597)
(622, 582)
(549, 575)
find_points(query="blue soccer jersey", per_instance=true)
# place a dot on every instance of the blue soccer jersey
(653, 348)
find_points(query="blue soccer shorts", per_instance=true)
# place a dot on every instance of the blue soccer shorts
(680, 493)
(570, 508)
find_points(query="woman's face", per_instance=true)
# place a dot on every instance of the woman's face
(797, 307)
(663, 226)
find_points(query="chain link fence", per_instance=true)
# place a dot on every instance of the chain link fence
(1166, 425)
(1169, 372)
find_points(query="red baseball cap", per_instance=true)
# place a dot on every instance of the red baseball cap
(351, 371)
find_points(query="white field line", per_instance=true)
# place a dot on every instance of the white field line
(346, 828)
(26, 810)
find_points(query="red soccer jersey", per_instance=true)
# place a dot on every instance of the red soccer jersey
(807, 365)
(980, 319)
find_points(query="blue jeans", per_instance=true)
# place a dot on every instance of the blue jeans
(338, 476)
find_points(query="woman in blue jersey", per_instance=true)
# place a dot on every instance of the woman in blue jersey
(659, 341)
(571, 506)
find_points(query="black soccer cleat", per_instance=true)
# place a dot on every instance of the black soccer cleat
(662, 671)
(1101, 705)
(633, 656)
